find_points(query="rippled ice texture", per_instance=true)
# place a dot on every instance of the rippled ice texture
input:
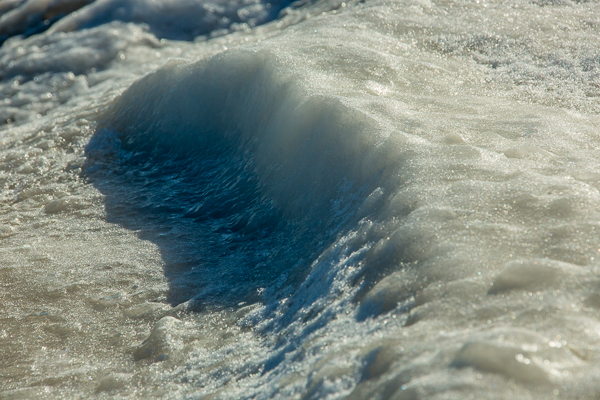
(374, 200)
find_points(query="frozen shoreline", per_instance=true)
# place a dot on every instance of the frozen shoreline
(354, 200)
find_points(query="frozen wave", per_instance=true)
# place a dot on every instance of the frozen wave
(250, 157)
(304, 148)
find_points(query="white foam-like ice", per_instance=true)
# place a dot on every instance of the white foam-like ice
(384, 200)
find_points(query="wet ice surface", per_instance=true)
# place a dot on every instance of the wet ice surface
(355, 200)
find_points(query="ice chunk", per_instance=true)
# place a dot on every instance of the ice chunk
(162, 341)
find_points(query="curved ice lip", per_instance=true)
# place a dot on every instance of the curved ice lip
(266, 174)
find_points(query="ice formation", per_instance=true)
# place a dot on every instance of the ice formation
(323, 199)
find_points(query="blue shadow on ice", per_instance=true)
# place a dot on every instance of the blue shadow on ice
(241, 178)
(221, 240)
(238, 177)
